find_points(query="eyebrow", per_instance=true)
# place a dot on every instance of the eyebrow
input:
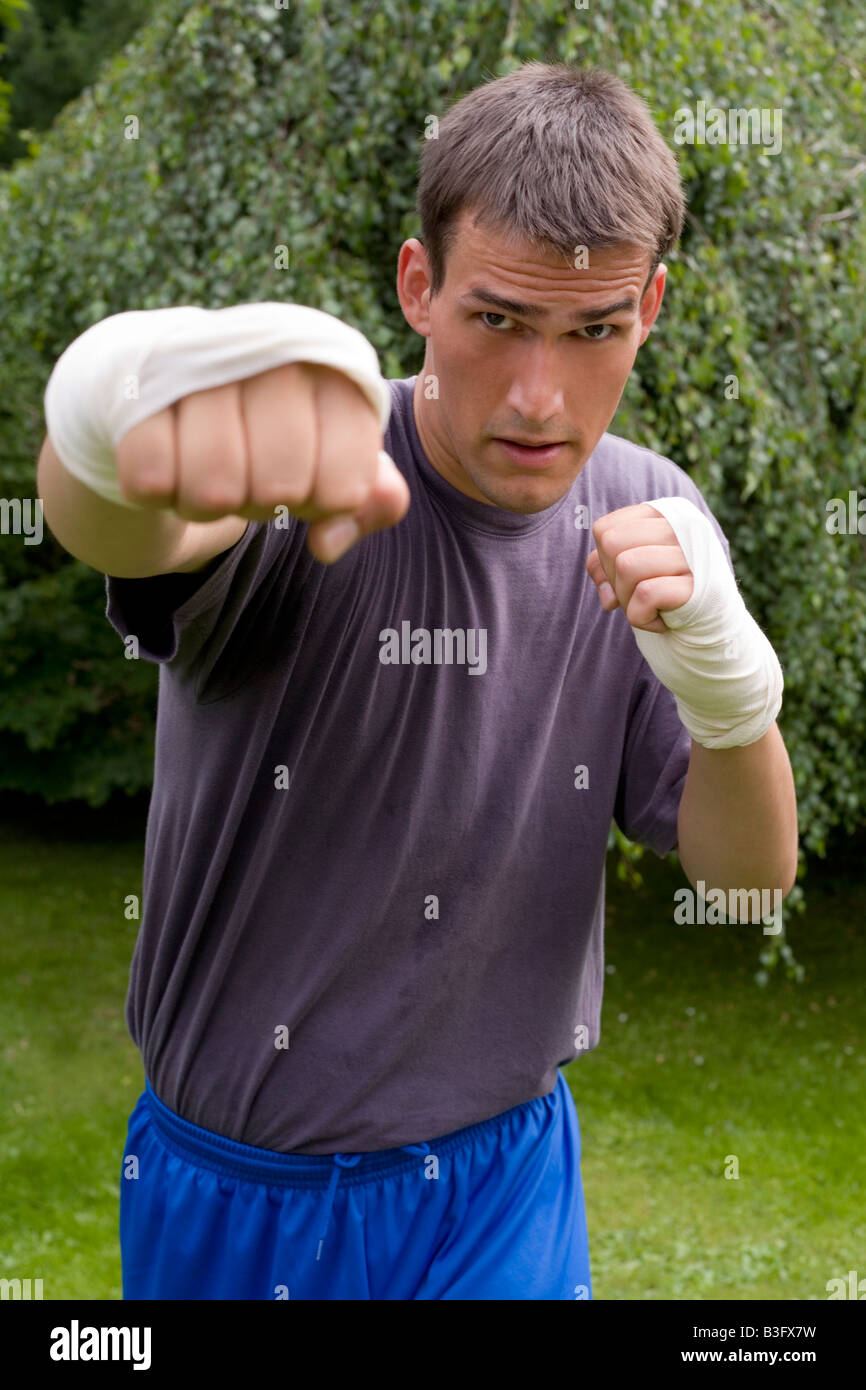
(534, 311)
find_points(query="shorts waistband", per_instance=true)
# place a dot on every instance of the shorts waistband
(231, 1158)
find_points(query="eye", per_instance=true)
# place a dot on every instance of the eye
(612, 326)
(612, 329)
(489, 314)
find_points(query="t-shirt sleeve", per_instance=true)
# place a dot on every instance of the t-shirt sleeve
(658, 745)
(654, 766)
(175, 617)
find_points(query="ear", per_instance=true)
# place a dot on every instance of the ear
(652, 301)
(414, 278)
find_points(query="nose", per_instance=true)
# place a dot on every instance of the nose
(535, 393)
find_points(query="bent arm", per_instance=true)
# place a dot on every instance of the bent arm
(737, 820)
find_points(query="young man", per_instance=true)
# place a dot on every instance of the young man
(374, 865)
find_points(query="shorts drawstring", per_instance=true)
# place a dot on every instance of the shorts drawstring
(340, 1161)
(349, 1161)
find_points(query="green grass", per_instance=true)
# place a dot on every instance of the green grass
(696, 1063)
(69, 1073)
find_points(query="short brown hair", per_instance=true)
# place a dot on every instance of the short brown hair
(563, 156)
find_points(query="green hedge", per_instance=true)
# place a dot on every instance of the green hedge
(302, 126)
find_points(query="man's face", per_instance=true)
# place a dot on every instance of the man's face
(505, 372)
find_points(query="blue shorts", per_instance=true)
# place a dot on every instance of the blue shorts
(492, 1211)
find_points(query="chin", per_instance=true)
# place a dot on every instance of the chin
(519, 492)
(522, 494)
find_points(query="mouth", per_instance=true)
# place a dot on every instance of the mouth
(531, 455)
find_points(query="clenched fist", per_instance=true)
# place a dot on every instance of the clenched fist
(301, 436)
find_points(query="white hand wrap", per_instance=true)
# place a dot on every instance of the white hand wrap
(129, 366)
(715, 659)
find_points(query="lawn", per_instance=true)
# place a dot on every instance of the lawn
(696, 1065)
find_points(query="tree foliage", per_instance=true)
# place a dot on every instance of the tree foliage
(52, 49)
(11, 14)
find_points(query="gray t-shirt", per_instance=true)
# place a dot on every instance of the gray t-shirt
(373, 890)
